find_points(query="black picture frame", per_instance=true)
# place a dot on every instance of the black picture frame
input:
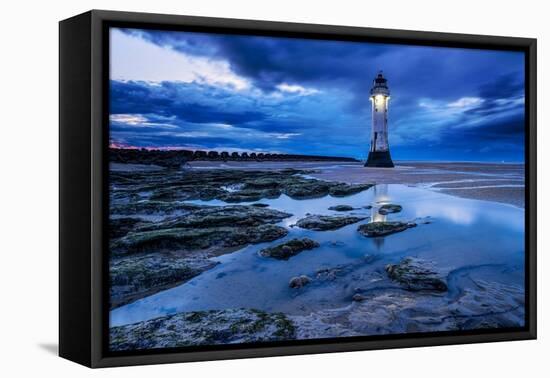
(83, 151)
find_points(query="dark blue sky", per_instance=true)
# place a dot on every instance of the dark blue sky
(241, 93)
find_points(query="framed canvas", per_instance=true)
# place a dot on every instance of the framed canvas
(234, 188)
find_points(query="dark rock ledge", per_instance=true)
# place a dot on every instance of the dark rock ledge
(416, 275)
(327, 222)
(288, 249)
(233, 326)
(375, 229)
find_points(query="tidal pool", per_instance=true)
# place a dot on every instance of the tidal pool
(467, 240)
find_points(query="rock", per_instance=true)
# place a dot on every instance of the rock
(229, 185)
(136, 277)
(342, 190)
(260, 205)
(248, 195)
(204, 227)
(216, 327)
(288, 249)
(358, 298)
(341, 208)
(416, 275)
(119, 227)
(299, 282)
(389, 209)
(221, 216)
(307, 189)
(329, 274)
(190, 239)
(368, 207)
(375, 229)
(149, 207)
(327, 222)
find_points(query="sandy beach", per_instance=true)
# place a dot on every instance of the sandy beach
(495, 182)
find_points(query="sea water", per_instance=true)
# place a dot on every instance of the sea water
(459, 236)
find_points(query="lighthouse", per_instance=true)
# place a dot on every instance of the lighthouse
(379, 153)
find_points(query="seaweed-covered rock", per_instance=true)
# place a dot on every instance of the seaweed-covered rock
(416, 274)
(302, 189)
(148, 207)
(121, 226)
(136, 277)
(342, 189)
(341, 208)
(230, 185)
(249, 195)
(222, 216)
(375, 229)
(389, 209)
(203, 227)
(260, 205)
(233, 326)
(195, 239)
(299, 282)
(327, 222)
(288, 249)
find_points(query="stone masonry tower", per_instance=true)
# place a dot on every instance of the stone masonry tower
(379, 153)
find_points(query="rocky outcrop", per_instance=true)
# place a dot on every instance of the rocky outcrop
(375, 229)
(288, 249)
(195, 238)
(416, 274)
(141, 276)
(150, 256)
(158, 240)
(389, 209)
(119, 227)
(220, 216)
(341, 208)
(299, 282)
(229, 185)
(327, 222)
(233, 326)
(149, 207)
(343, 190)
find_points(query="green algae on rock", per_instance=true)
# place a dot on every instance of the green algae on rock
(290, 248)
(341, 208)
(231, 185)
(327, 222)
(139, 276)
(416, 274)
(221, 216)
(195, 238)
(389, 209)
(299, 282)
(233, 326)
(375, 229)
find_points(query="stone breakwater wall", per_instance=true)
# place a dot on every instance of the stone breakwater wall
(179, 157)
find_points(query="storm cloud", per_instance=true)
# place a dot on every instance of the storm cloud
(310, 96)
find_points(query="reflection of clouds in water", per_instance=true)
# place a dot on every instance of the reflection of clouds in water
(463, 214)
(464, 232)
(467, 212)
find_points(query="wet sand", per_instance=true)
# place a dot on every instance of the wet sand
(495, 182)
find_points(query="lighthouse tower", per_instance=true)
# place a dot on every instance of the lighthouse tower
(379, 153)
